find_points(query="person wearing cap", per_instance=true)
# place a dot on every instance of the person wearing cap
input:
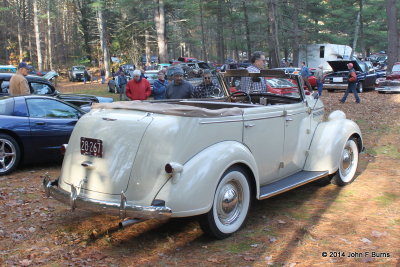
(138, 88)
(178, 88)
(305, 73)
(18, 83)
(319, 76)
(351, 85)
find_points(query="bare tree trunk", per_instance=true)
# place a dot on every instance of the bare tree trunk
(50, 43)
(203, 38)
(21, 50)
(37, 35)
(356, 34)
(235, 53)
(220, 32)
(159, 19)
(362, 42)
(296, 34)
(246, 23)
(393, 33)
(103, 41)
(273, 30)
(147, 47)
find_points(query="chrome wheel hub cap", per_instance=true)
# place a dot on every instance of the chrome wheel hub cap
(230, 199)
(347, 160)
(7, 155)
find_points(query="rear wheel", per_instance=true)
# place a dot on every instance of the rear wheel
(9, 154)
(347, 165)
(230, 206)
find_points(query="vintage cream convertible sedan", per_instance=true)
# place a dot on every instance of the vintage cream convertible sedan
(205, 157)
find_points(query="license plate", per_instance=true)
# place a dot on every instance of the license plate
(91, 147)
(337, 79)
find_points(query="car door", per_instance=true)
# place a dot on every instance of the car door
(51, 122)
(263, 134)
(297, 138)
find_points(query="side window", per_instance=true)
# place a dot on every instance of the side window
(41, 89)
(6, 106)
(49, 108)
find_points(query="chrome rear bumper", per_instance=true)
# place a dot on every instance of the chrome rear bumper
(330, 86)
(123, 208)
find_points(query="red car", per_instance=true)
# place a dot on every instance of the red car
(312, 80)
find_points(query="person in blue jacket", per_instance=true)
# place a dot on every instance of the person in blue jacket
(159, 86)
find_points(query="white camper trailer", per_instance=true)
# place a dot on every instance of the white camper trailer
(318, 54)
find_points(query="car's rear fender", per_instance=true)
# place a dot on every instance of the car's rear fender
(191, 192)
(328, 142)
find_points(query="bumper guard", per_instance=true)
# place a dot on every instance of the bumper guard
(123, 209)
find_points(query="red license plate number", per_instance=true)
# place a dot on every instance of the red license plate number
(91, 147)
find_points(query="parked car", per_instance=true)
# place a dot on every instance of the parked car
(187, 59)
(213, 156)
(33, 128)
(76, 73)
(151, 76)
(390, 84)
(311, 79)
(8, 69)
(42, 86)
(195, 69)
(337, 80)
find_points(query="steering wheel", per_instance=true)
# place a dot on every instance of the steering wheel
(239, 93)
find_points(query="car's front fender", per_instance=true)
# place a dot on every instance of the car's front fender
(191, 192)
(328, 142)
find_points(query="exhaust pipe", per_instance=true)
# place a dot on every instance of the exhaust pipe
(128, 222)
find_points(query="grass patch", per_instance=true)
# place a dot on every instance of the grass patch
(240, 247)
(386, 199)
(388, 150)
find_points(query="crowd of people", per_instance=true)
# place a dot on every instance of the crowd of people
(176, 87)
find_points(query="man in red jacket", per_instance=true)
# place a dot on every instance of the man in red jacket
(138, 88)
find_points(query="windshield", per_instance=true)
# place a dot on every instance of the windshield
(203, 65)
(78, 68)
(268, 82)
(396, 67)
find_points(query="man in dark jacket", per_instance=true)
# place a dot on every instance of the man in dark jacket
(178, 88)
(351, 85)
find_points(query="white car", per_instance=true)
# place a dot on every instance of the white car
(210, 157)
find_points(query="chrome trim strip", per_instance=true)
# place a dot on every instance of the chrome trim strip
(209, 122)
(122, 208)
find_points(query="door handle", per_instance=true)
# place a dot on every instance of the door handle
(40, 123)
(288, 119)
(249, 125)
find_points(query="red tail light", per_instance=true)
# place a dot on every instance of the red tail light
(63, 149)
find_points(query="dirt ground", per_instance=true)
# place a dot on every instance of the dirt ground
(356, 225)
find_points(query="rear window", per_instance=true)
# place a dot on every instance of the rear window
(6, 106)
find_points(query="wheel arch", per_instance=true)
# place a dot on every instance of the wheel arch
(199, 179)
(328, 142)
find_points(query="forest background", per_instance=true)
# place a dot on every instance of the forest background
(54, 34)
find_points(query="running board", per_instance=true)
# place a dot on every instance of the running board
(290, 182)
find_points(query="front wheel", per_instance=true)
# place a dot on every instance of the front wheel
(347, 165)
(9, 154)
(230, 206)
